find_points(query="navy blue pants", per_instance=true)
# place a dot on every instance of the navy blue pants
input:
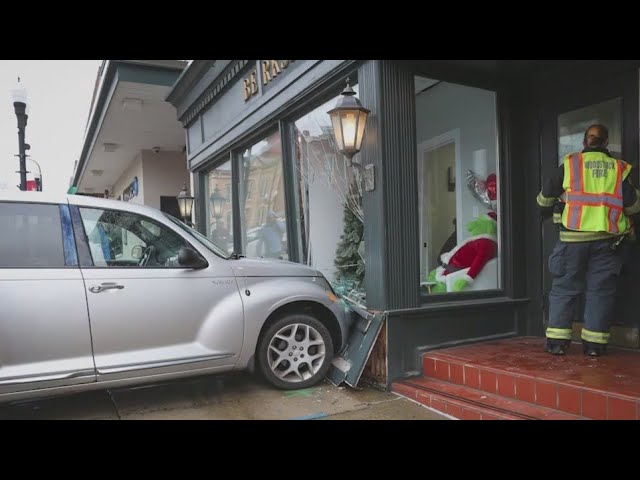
(589, 268)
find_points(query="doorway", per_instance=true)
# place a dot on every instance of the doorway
(438, 169)
(612, 100)
(170, 205)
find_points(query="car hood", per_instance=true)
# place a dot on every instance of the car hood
(260, 267)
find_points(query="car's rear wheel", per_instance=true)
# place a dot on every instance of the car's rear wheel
(295, 352)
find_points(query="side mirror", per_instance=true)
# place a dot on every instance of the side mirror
(189, 258)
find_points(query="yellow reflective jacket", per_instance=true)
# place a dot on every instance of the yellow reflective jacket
(593, 193)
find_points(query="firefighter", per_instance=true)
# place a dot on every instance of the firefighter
(592, 200)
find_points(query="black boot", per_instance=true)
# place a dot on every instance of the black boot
(556, 346)
(593, 349)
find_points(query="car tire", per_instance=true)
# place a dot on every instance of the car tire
(295, 352)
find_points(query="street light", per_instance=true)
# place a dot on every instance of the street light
(185, 204)
(348, 120)
(19, 95)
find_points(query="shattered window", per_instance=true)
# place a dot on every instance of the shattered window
(331, 215)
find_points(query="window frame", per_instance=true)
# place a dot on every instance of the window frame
(65, 253)
(462, 76)
(203, 176)
(153, 221)
(283, 122)
(238, 155)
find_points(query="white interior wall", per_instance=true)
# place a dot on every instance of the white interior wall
(165, 173)
(446, 107)
(325, 227)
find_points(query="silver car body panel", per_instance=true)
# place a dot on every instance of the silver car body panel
(268, 294)
(165, 323)
(259, 267)
(317, 289)
(164, 319)
(164, 316)
(34, 197)
(45, 391)
(44, 329)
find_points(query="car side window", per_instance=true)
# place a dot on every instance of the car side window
(123, 239)
(30, 236)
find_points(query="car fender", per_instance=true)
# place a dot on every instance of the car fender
(262, 296)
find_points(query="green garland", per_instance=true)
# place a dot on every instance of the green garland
(350, 266)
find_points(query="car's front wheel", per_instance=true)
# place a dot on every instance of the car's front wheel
(295, 352)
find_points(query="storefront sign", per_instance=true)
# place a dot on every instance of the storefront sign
(269, 70)
(131, 191)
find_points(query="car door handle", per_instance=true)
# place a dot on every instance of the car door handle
(105, 286)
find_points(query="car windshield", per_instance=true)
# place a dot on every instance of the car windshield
(201, 238)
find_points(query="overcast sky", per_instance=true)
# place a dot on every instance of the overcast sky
(59, 96)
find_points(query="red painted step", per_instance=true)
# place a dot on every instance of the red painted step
(471, 404)
(598, 388)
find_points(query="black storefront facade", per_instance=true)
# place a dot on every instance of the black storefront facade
(430, 124)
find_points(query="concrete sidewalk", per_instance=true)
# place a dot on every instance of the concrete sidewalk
(225, 397)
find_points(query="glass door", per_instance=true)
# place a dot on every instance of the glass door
(611, 100)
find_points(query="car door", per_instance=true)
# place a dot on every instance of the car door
(44, 326)
(149, 315)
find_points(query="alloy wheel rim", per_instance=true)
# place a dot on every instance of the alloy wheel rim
(296, 353)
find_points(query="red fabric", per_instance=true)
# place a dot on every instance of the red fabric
(492, 186)
(473, 255)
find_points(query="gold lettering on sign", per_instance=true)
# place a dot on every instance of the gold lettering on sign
(266, 77)
(270, 69)
(246, 88)
(254, 83)
(275, 68)
(250, 85)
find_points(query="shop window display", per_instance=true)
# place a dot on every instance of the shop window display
(458, 187)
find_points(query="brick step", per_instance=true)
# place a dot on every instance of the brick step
(467, 403)
(597, 388)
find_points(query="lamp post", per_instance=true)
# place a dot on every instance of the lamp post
(185, 204)
(19, 95)
(348, 120)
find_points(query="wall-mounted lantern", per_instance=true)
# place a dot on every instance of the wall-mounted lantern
(185, 203)
(349, 119)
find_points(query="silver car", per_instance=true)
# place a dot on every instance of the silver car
(99, 293)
